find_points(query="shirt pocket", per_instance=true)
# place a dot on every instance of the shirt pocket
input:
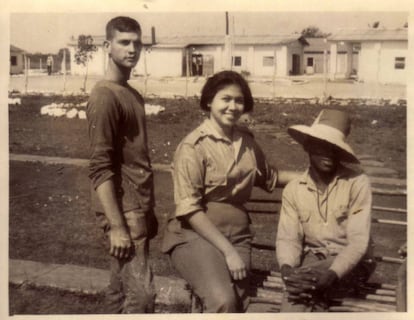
(341, 215)
(214, 179)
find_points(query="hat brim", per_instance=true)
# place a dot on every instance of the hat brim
(301, 133)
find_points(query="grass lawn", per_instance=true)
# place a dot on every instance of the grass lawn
(49, 218)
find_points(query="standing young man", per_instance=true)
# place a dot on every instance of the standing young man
(323, 238)
(120, 172)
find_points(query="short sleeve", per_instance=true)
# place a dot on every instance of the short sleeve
(188, 178)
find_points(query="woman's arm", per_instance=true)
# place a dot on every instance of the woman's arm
(204, 227)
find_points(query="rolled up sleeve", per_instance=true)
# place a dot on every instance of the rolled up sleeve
(103, 125)
(289, 233)
(188, 177)
(358, 227)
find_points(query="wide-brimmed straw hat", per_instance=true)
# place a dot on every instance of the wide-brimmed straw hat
(332, 126)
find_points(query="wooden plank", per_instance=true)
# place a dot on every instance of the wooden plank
(389, 259)
(372, 163)
(378, 171)
(376, 297)
(273, 285)
(389, 192)
(388, 209)
(388, 181)
(388, 221)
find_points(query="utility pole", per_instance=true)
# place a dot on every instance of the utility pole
(227, 46)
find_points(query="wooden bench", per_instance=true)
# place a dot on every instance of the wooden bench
(378, 295)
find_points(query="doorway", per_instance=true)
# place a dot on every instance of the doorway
(295, 64)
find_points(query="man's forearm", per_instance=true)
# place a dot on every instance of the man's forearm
(107, 197)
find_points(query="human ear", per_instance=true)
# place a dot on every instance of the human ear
(107, 45)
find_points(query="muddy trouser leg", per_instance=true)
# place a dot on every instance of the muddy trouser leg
(203, 266)
(131, 288)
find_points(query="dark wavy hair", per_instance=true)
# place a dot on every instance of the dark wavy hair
(121, 24)
(223, 79)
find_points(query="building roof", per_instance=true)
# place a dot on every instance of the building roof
(270, 39)
(184, 41)
(317, 45)
(16, 49)
(99, 40)
(370, 35)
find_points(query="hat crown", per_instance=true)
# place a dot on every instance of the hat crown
(336, 119)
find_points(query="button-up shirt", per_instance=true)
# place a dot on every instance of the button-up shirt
(210, 167)
(118, 145)
(334, 222)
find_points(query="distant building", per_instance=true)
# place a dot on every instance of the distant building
(279, 55)
(317, 54)
(16, 60)
(382, 57)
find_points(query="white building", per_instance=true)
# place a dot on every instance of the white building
(17, 61)
(278, 55)
(382, 57)
(317, 54)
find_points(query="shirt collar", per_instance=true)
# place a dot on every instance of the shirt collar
(306, 178)
(207, 129)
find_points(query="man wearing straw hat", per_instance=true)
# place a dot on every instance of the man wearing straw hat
(323, 238)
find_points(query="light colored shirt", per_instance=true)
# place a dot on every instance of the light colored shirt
(336, 222)
(210, 167)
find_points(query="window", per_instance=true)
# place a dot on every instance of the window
(237, 61)
(309, 62)
(268, 61)
(13, 60)
(399, 63)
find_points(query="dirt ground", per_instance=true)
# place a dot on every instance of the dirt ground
(306, 86)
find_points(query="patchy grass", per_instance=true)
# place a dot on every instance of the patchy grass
(377, 130)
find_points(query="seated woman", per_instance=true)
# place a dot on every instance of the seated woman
(323, 237)
(215, 169)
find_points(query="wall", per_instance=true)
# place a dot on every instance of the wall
(391, 50)
(19, 67)
(377, 61)
(259, 53)
(162, 62)
(243, 52)
(294, 48)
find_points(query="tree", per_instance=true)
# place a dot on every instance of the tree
(84, 53)
(313, 32)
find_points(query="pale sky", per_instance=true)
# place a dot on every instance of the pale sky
(48, 32)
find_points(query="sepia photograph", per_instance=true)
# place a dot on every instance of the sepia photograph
(263, 147)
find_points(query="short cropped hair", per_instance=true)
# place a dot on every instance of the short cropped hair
(122, 24)
(223, 79)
